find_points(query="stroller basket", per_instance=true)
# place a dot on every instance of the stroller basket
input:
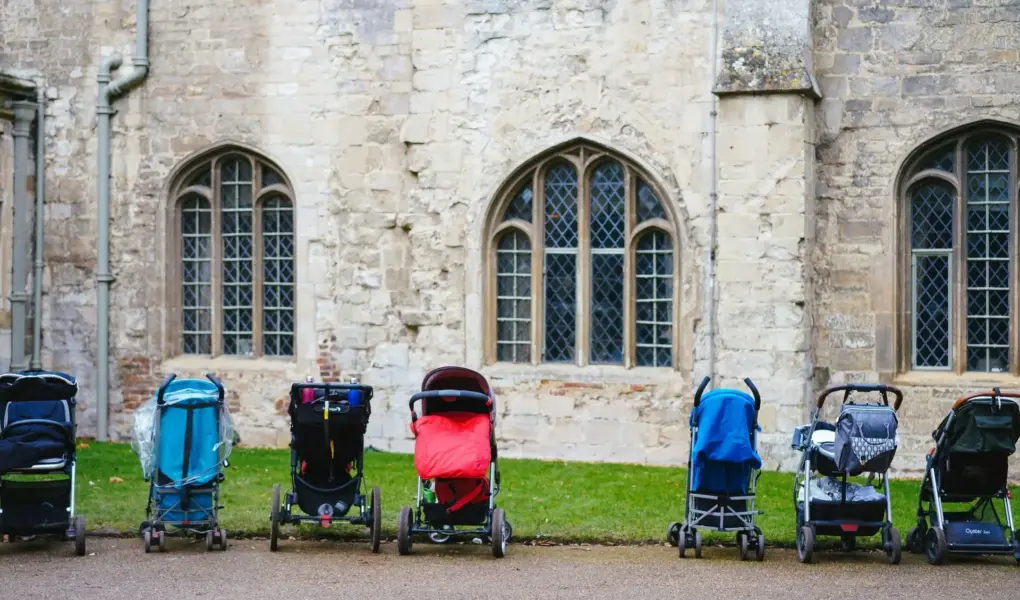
(35, 506)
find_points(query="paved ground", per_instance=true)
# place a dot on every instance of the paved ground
(119, 569)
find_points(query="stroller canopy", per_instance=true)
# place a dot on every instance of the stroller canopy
(723, 455)
(983, 424)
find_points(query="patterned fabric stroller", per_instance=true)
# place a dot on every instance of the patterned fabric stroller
(864, 439)
(183, 437)
(327, 426)
(37, 445)
(969, 465)
(723, 467)
(455, 451)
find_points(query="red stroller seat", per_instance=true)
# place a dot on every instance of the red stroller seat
(454, 449)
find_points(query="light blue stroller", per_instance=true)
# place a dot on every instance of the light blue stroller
(183, 437)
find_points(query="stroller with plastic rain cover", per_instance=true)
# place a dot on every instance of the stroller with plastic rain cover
(969, 466)
(183, 436)
(723, 468)
(864, 439)
(455, 456)
(327, 424)
(38, 456)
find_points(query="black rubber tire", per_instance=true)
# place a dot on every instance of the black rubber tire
(681, 542)
(742, 545)
(209, 540)
(759, 551)
(915, 540)
(161, 537)
(404, 542)
(895, 551)
(697, 544)
(223, 540)
(497, 533)
(79, 535)
(376, 519)
(848, 542)
(274, 520)
(805, 544)
(935, 546)
(147, 540)
(672, 532)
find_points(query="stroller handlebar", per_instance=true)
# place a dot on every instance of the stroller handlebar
(849, 388)
(995, 393)
(747, 381)
(448, 395)
(221, 392)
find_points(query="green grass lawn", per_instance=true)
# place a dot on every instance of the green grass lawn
(555, 500)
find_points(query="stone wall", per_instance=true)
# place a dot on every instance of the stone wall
(894, 74)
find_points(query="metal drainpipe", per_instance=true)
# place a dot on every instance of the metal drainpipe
(109, 91)
(37, 283)
(24, 112)
(713, 195)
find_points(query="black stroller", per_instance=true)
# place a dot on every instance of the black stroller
(327, 425)
(37, 445)
(969, 465)
(863, 440)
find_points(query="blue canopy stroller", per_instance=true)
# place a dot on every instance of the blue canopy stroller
(37, 446)
(183, 437)
(722, 471)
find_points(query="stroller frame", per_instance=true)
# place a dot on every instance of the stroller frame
(154, 528)
(73, 528)
(368, 515)
(847, 528)
(932, 540)
(494, 526)
(749, 535)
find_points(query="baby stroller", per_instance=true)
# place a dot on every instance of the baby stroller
(455, 450)
(723, 468)
(183, 437)
(327, 445)
(37, 445)
(863, 440)
(969, 465)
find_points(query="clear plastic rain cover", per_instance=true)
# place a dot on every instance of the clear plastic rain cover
(211, 432)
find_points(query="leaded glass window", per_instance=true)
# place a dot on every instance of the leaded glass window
(583, 242)
(962, 201)
(236, 245)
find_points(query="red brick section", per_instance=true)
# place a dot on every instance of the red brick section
(137, 381)
(329, 371)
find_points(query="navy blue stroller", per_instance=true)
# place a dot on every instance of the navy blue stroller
(183, 438)
(722, 471)
(37, 445)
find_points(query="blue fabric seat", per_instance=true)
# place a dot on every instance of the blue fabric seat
(723, 455)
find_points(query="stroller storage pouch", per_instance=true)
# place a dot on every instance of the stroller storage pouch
(866, 438)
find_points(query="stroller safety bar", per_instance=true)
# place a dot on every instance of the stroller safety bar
(448, 394)
(884, 390)
(166, 383)
(747, 381)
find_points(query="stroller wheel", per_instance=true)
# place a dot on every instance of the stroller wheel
(893, 548)
(147, 540)
(915, 540)
(404, 541)
(848, 543)
(697, 544)
(376, 519)
(161, 540)
(498, 533)
(79, 535)
(672, 533)
(209, 539)
(274, 520)
(223, 540)
(681, 541)
(759, 553)
(441, 538)
(935, 546)
(805, 543)
(742, 544)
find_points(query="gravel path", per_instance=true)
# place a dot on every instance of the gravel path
(248, 571)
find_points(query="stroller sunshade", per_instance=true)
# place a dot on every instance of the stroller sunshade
(452, 445)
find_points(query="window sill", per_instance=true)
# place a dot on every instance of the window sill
(593, 374)
(228, 363)
(948, 378)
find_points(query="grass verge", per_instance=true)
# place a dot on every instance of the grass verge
(544, 500)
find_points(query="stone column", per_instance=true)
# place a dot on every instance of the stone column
(765, 162)
(24, 114)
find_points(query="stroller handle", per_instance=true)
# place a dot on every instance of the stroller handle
(366, 389)
(219, 385)
(747, 381)
(849, 388)
(448, 394)
(221, 392)
(995, 393)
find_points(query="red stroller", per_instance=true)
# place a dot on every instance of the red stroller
(455, 456)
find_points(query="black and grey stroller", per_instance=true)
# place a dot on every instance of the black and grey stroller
(969, 465)
(722, 470)
(327, 424)
(38, 455)
(863, 440)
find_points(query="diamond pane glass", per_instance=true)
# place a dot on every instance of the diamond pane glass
(561, 207)
(270, 177)
(607, 206)
(520, 206)
(988, 185)
(238, 244)
(513, 298)
(931, 310)
(654, 300)
(943, 159)
(196, 275)
(201, 177)
(560, 306)
(277, 277)
(607, 308)
(931, 222)
(648, 205)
